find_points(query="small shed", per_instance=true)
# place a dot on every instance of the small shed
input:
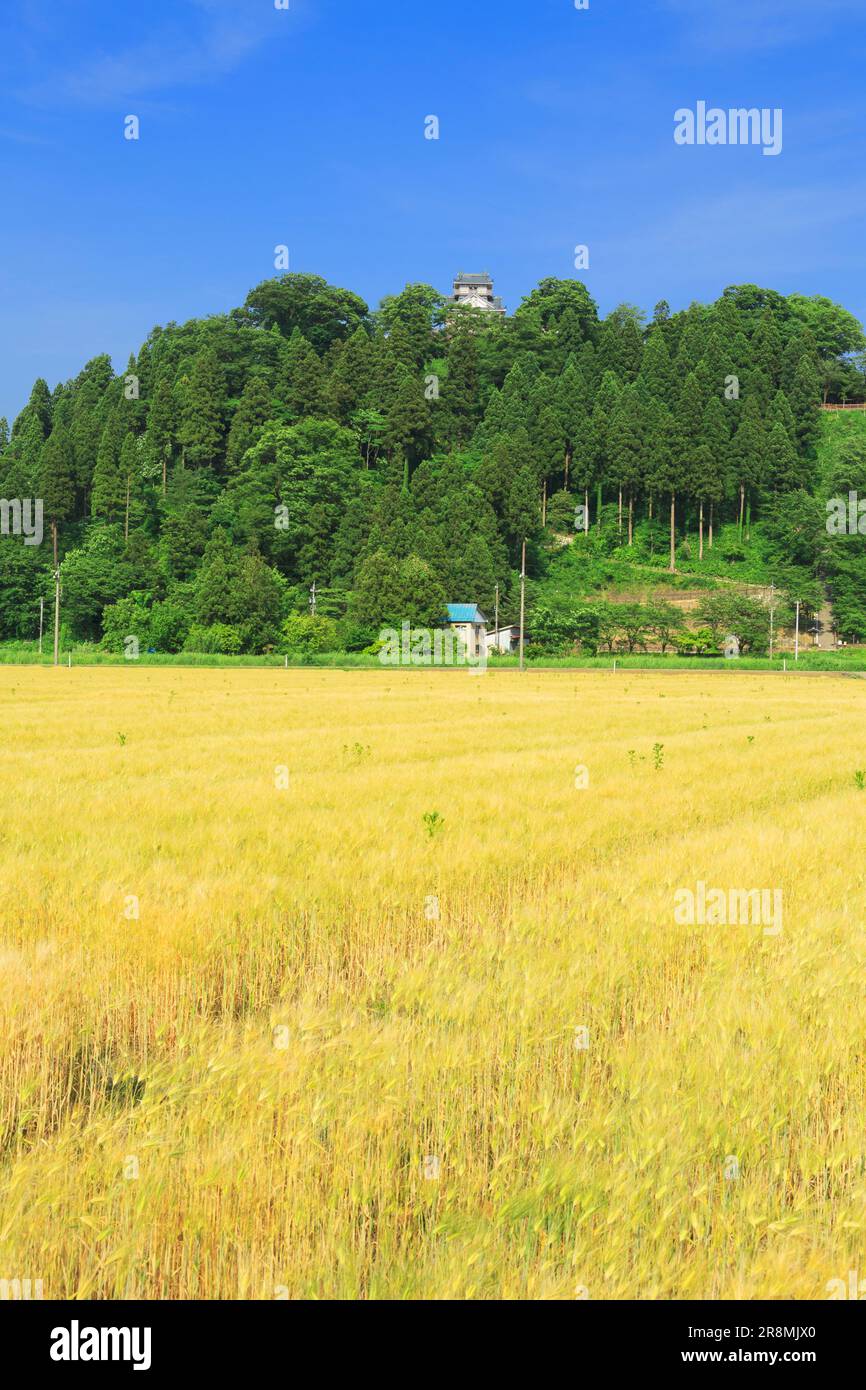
(504, 639)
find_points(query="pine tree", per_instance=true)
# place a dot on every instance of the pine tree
(338, 401)
(550, 443)
(725, 321)
(522, 518)
(620, 347)
(400, 349)
(474, 574)
(162, 427)
(39, 406)
(664, 471)
(585, 462)
(740, 354)
(657, 371)
(746, 453)
(214, 595)
(133, 392)
(29, 433)
(515, 405)
(766, 348)
(252, 414)
(758, 387)
(599, 428)
(87, 425)
(459, 402)
(782, 472)
(493, 422)
(56, 486)
(687, 425)
(143, 369)
(780, 413)
(202, 407)
(571, 399)
(501, 460)
(716, 366)
(625, 451)
(587, 361)
(715, 443)
(108, 494)
(303, 390)
(130, 475)
(416, 310)
(692, 344)
(609, 392)
(800, 344)
(408, 423)
(570, 335)
(804, 399)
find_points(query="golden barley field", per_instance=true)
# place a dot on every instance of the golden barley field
(267, 1032)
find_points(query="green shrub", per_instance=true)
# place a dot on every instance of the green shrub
(169, 625)
(308, 634)
(128, 617)
(698, 643)
(220, 639)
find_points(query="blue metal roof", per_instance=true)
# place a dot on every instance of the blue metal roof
(465, 613)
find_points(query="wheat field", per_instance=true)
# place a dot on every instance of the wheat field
(344, 985)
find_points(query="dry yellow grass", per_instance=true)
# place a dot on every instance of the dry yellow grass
(233, 1094)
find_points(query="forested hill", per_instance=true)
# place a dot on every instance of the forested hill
(397, 460)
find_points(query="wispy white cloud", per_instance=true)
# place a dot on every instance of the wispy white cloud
(205, 40)
(755, 24)
(771, 230)
(24, 137)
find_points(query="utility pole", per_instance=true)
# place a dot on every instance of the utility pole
(772, 612)
(41, 618)
(522, 598)
(313, 599)
(797, 635)
(57, 616)
(496, 622)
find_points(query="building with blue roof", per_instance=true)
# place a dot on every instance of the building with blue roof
(467, 620)
(465, 613)
(470, 624)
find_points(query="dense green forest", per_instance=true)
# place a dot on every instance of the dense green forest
(397, 460)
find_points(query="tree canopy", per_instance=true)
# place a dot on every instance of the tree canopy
(401, 458)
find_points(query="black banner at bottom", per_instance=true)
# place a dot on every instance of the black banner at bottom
(156, 1339)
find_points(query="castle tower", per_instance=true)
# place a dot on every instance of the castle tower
(476, 291)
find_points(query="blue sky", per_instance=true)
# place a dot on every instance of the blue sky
(306, 127)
